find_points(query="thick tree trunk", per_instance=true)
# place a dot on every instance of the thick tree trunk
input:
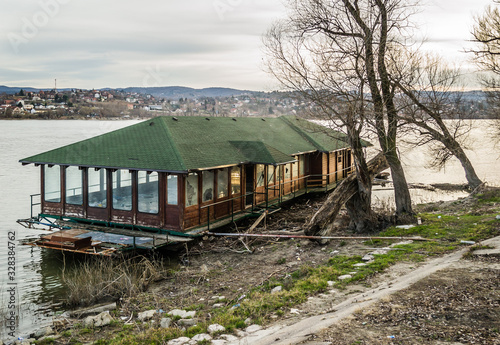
(344, 192)
(470, 174)
(402, 198)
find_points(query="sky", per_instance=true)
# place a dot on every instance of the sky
(195, 43)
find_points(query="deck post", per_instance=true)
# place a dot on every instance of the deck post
(208, 217)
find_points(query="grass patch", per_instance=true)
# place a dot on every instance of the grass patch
(100, 278)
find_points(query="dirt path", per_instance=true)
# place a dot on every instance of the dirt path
(311, 329)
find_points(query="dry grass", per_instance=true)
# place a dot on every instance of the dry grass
(110, 278)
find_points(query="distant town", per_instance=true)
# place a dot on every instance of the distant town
(134, 103)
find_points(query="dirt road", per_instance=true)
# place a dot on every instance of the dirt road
(362, 318)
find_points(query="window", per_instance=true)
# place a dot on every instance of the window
(235, 180)
(97, 188)
(192, 190)
(122, 190)
(260, 175)
(147, 188)
(222, 183)
(270, 175)
(288, 171)
(172, 190)
(52, 183)
(295, 169)
(279, 173)
(74, 186)
(208, 186)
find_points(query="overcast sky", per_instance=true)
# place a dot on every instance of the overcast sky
(196, 43)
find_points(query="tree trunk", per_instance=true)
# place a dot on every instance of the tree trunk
(470, 174)
(344, 192)
(402, 198)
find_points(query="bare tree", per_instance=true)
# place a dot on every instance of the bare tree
(486, 33)
(335, 53)
(431, 92)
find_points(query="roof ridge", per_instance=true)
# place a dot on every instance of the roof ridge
(302, 133)
(172, 142)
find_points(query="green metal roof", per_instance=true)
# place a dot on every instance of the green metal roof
(187, 143)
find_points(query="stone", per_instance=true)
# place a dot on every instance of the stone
(91, 311)
(219, 342)
(277, 289)
(182, 313)
(368, 257)
(165, 322)
(361, 264)
(187, 322)
(253, 328)
(202, 337)
(146, 315)
(43, 332)
(103, 319)
(229, 337)
(218, 305)
(215, 328)
(248, 321)
(240, 333)
(179, 341)
(345, 276)
(294, 311)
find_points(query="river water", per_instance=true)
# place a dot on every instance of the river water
(35, 288)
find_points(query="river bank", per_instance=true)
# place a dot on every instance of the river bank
(237, 283)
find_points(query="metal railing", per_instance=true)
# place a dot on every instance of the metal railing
(32, 196)
(279, 187)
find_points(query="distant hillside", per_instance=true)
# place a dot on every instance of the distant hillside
(175, 92)
(10, 90)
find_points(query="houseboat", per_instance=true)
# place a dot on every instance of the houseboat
(171, 178)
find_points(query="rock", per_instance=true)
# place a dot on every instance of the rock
(165, 322)
(361, 264)
(218, 305)
(219, 342)
(91, 311)
(100, 320)
(248, 321)
(43, 332)
(202, 337)
(330, 283)
(379, 252)
(277, 289)
(345, 276)
(253, 328)
(229, 337)
(215, 328)
(368, 257)
(240, 333)
(219, 298)
(146, 315)
(187, 322)
(294, 311)
(182, 313)
(204, 268)
(179, 341)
